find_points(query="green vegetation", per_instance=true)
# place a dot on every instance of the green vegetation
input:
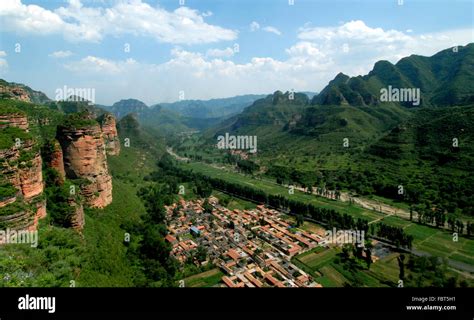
(79, 120)
(11, 135)
(7, 190)
(434, 76)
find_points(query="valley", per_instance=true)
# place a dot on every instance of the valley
(131, 195)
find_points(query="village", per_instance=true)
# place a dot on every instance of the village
(253, 248)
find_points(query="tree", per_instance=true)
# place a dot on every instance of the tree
(207, 206)
(201, 253)
(401, 265)
(368, 257)
(203, 189)
(368, 253)
(299, 220)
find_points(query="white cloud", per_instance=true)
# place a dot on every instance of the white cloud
(77, 22)
(366, 44)
(355, 30)
(60, 54)
(220, 53)
(272, 30)
(254, 26)
(309, 65)
(99, 65)
(203, 76)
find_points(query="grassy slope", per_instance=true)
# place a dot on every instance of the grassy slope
(107, 262)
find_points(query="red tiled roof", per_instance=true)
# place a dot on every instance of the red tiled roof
(233, 254)
(170, 238)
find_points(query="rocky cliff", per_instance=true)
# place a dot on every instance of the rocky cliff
(109, 130)
(85, 159)
(77, 218)
(18, 120)
(53, 156)
(22, 202)
(17, 91)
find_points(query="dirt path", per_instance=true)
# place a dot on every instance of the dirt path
(171, 152)
(366, 204)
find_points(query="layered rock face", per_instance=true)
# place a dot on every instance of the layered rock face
(77, 219)
(21, 165)
(109, 129)
(21, 92)
(14, 92)
(54, 159)
(85, 158)
(27, 175)
(14, 120)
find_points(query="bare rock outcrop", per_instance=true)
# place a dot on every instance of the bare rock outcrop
(17, 120)
(85, 158)
(53, 156)
(109, 129)
(14, 92)
(21, 168)
(77, 219)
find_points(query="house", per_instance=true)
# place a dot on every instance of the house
(195, 231)
(170, 239)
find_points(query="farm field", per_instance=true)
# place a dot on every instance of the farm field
(205, 279)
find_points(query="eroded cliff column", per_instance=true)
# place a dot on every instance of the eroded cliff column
(85, 159)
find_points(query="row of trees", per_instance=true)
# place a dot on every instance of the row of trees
(435, 200)
(394, 234)
(439, 217)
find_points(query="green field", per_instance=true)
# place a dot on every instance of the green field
(208, 278)
(325, 271)
(235, 203)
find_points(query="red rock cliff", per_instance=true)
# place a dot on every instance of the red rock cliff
(85, 158)
(54, 159)
(21, 165)
(14, 120)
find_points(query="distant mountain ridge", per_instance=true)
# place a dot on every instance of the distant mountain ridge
(213, 108)
(18, 91)
(350, 108)
(126, 106)
(443, 79)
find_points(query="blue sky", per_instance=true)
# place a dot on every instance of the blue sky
(191, 49)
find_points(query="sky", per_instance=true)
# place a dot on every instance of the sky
(161, 51)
